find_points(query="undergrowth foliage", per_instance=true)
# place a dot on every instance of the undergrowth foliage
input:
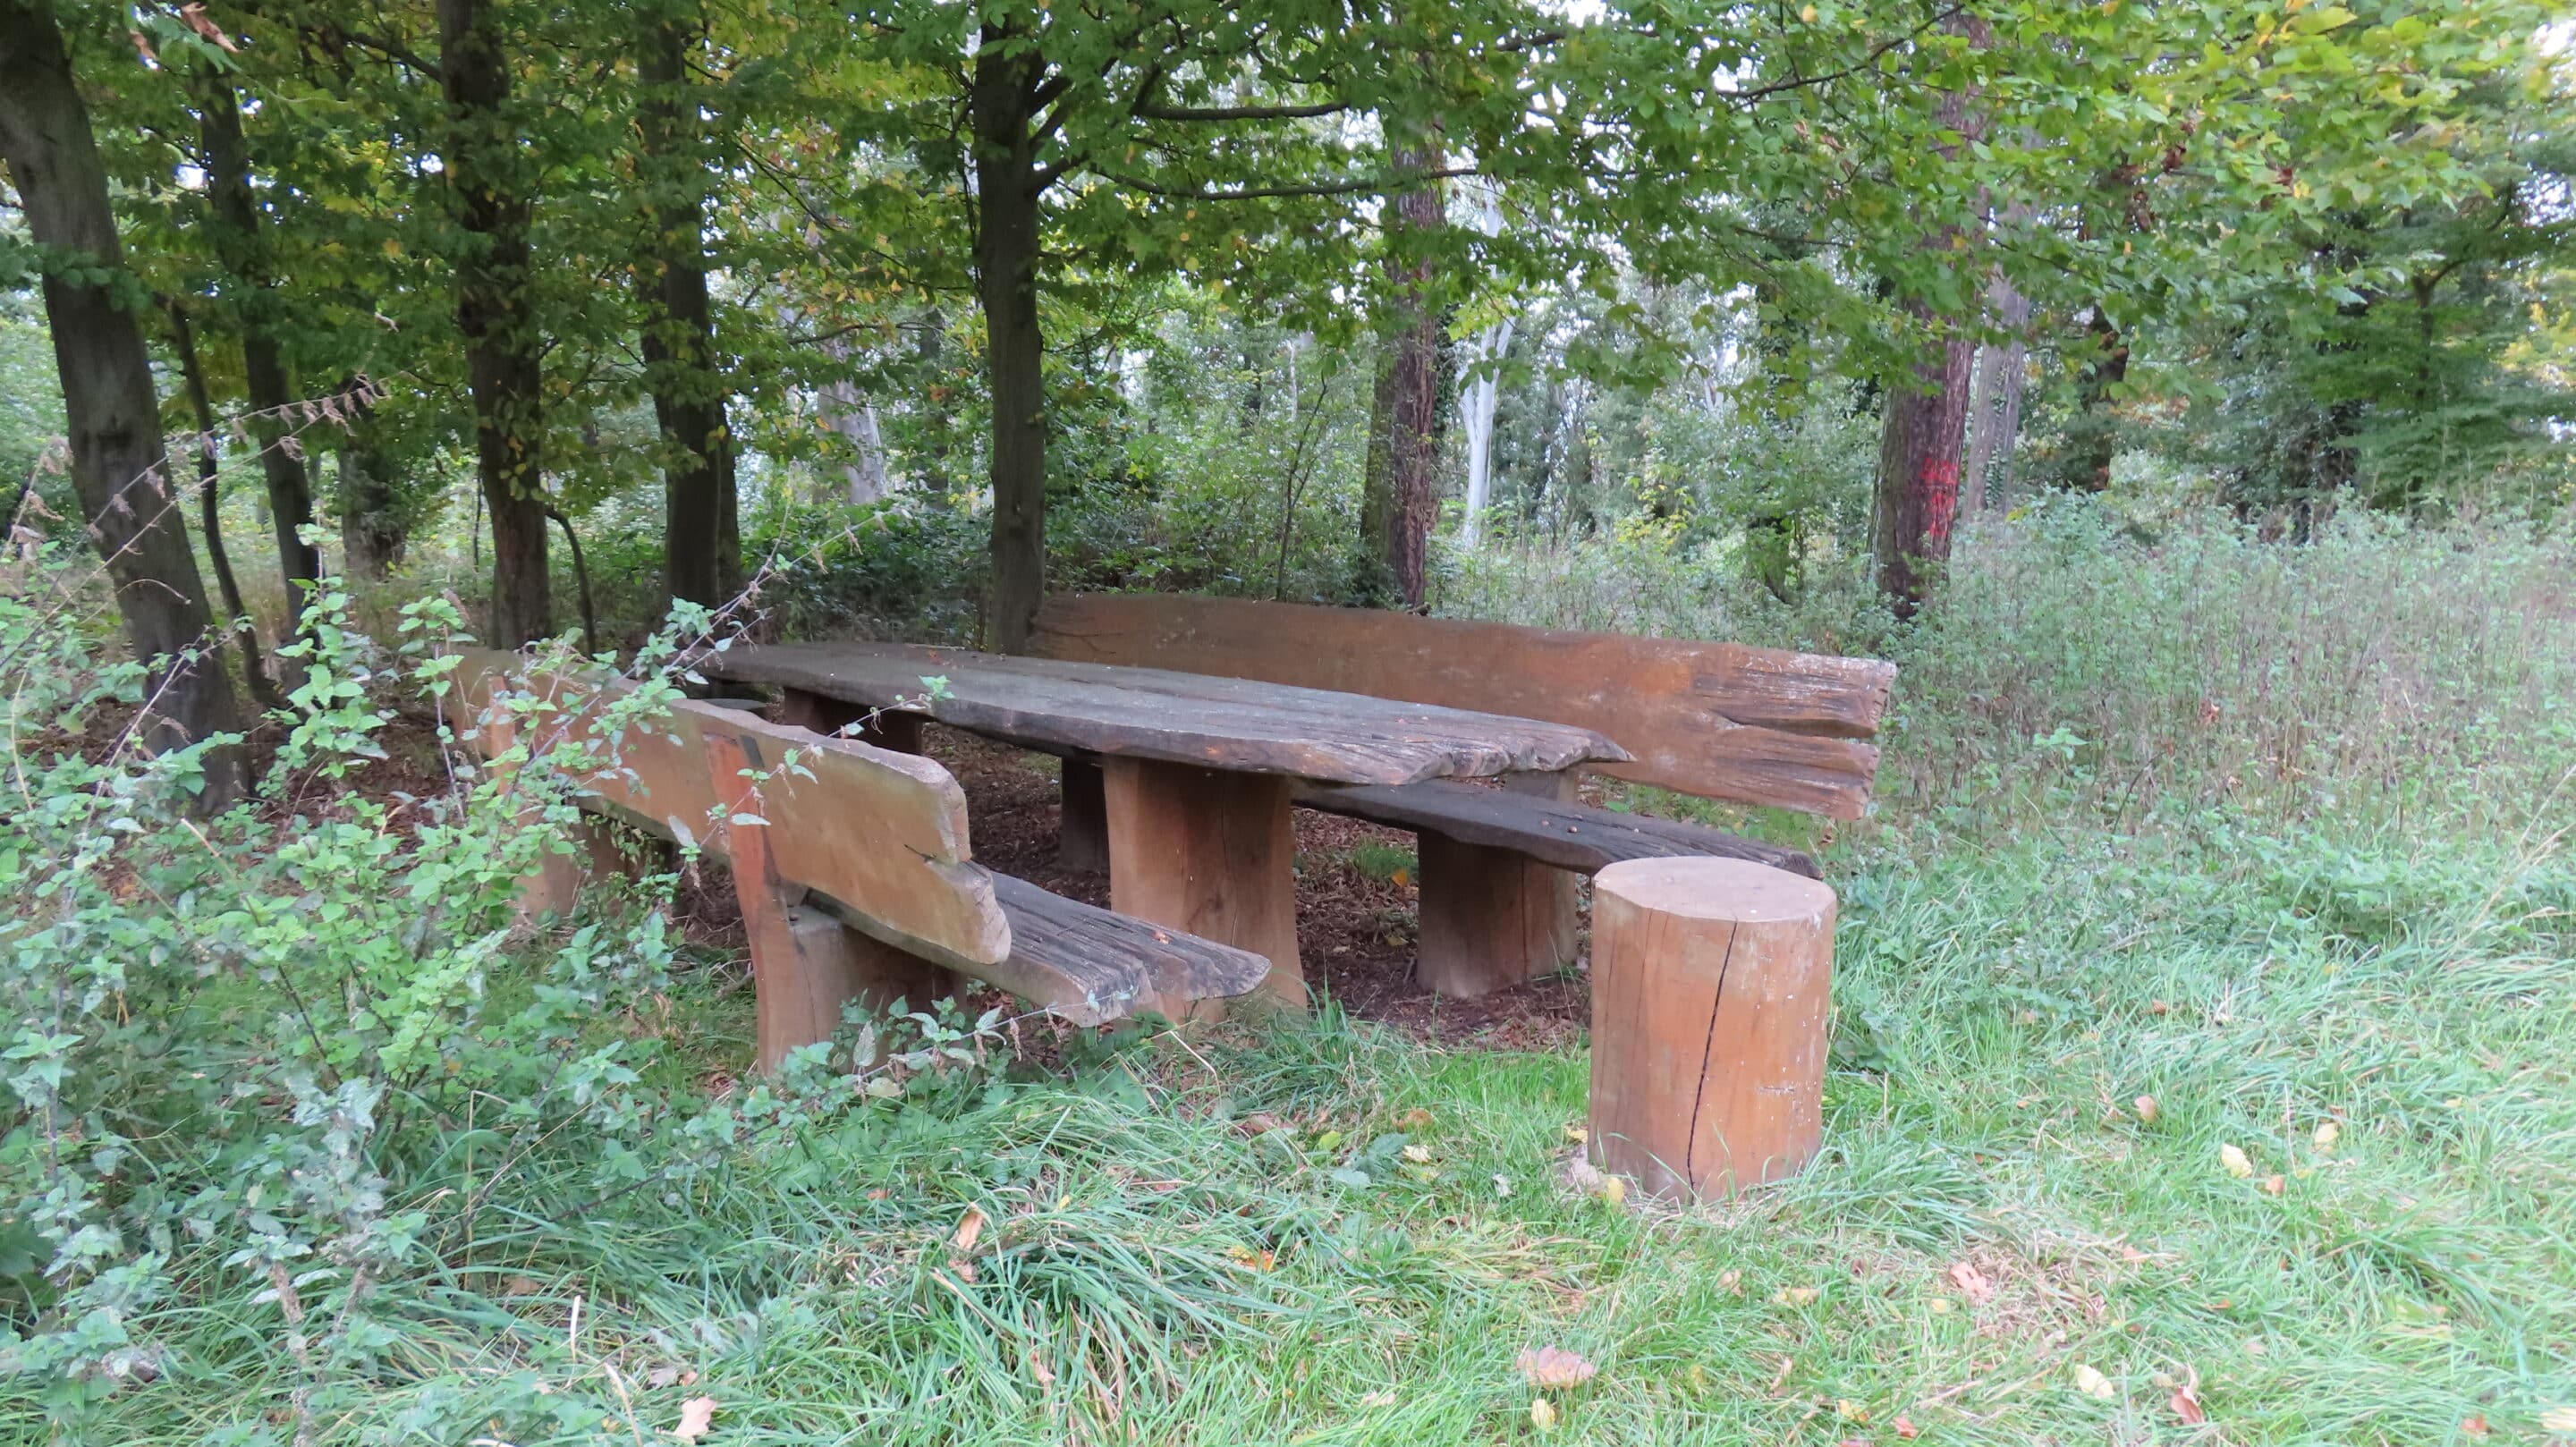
(290, 1066)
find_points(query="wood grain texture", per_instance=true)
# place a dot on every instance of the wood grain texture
(1721, 720)
(1556, 832)
(1710, 980)
(1182, 718)
(877, 842)
(1490, 919)
(1209, 853)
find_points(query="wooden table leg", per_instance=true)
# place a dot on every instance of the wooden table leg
(1082, 819)
(1209, 853)
(1491, 918)
(900, 732)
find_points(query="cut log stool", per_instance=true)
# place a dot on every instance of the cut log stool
(1710, 979)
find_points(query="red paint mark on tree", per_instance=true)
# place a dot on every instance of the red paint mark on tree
(1940, 478)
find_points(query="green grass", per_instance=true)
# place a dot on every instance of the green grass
(1155, 1273)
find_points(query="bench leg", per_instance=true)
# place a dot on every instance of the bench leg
(550, 890)
(1082, 822)
(1709, 986)
(806, 965)
(1490, 918)
(900, 732)
(1209, 853)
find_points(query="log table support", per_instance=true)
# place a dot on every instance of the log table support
(805, 965)
(888, 729)
(1709, 985)
(1493, 918)
(1209, 853)
(550, 890)
(1082, 819)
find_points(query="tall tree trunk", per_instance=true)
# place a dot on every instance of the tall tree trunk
(372, 527)
(210, 500)
(2094, 436)
(264, 377)
(1923, 425)
(1400, 493)
(120, 469)
(701, 519)
(1483, 396)
(847, 411)
(1994, 418)
(493, 313)
(1007, 188)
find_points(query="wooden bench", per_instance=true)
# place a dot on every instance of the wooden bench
(858, 883)
(1716, 720)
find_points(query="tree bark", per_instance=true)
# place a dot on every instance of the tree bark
(372, 527)
(264, 375)
(1483, 396)
(1923, 425)
(494, 314)
(1400, 494)
(701, 520)
(2094, 438)
(120, 469)
(1994, 418)
(210, 499)
(1007, 188)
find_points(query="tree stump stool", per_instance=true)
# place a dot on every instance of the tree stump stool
(1710, 979)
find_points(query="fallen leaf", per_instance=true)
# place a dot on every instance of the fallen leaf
(1555, 1367)
(2254, 1347)
(1851, 1411)
(1378, 1399)
(2327, 1134)
(1414, 1119)
(1502, 1184)
(970, 1228)
(2185, 1402)
(2238, 1164)
(1906, 1429)
(1973, 1283)
(1730, 1279)
(2558, 1419)
(1542, 1413)
(1614, 1190)
(2147, 1109)
(1796, 1295)
(1576, 1134)
(2475, 1427)
(2095, 1385)
(662, 1377)
(1419, 1155)
(1942, 1306)
(1256, 1260)
(1260, 1122)
(2159, 1007)
(2274, 1185)
(1853, 1442)
(696, 1415)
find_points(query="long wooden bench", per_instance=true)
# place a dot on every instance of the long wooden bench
(857, 881)
(1716, 720)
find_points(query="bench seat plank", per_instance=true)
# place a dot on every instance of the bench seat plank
(1091, 965)
(1562, 833)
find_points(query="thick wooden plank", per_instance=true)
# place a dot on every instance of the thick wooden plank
(1111, 965)
(1721, 720)
(1562, 833)
(880, 833)
(1182, 718)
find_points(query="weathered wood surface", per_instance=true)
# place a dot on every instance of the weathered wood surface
(1557, 832)
(1721, 720)
(1491, 918)
(1082, 818)
(1207, 852)
(1710, 979)
(876, 841)
(1235, 725)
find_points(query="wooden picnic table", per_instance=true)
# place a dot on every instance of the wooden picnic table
(1195, 773)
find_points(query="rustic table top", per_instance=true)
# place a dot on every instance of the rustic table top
(1186, 718)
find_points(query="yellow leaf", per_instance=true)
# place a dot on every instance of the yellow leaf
(1796, 1295)
(696, 1415)
(2095, 1385)
(1542, 1413)
(2236, 1162)
(2327, 1134)
(970, 1227)
(2146, 1108)
(1419, 1155)
(1614, 1190)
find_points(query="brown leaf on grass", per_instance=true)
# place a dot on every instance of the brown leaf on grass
(1973, 1283)
(2146, 1108)
(1414, 1119)
(2185, 1402)
(696, 1415)
(1555, 1367)
(1906, 1429)
(2476, 1426)
(970, 1229)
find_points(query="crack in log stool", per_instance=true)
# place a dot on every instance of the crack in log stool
(1710, 980)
